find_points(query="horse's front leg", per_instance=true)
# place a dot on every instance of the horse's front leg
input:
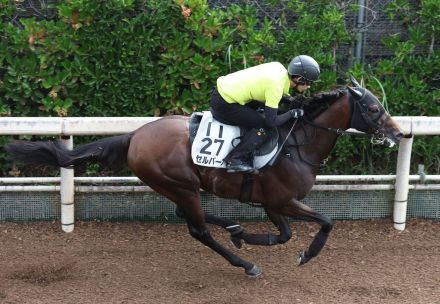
(269, 239)
(296, 209)
(236, 230)
(281, 222)
(238, 234)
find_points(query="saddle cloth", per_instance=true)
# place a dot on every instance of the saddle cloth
(212, 141)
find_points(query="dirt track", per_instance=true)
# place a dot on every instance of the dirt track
(363, 262)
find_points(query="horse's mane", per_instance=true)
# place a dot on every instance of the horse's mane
(313, 106)
(319, 102)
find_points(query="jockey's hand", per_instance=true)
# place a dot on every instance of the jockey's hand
(297, 113)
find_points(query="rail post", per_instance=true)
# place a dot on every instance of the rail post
(402, 183)
(67, 189)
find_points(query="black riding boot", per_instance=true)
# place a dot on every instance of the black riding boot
(241, 157)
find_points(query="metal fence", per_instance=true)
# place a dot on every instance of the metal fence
(374, 26)
(150, 206)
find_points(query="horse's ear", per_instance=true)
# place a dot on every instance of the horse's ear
(354, 82)
(355, 92)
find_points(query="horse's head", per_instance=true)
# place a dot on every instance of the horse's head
(369, 116)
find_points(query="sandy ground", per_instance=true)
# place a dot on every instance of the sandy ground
(363, 262)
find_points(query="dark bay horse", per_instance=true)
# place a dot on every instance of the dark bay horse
(159, 154)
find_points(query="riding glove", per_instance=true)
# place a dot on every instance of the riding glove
(297, 113)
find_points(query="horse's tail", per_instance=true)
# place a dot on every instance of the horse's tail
(110, 152)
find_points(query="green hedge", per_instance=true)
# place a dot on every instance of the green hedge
(408, 83)
(158, 57)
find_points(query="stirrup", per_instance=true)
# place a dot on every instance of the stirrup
(240, 167)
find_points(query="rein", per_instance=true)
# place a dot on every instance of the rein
(339, 132)
(297, 145)
(283, 143)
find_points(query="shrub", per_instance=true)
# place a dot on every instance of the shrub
(150, 58)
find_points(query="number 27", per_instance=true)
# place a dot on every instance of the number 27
(209, 142)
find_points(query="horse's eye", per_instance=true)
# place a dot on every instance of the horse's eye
(373, 109)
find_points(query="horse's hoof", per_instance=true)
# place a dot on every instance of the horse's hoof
(237, 242)
(302, 258)
(254, 272)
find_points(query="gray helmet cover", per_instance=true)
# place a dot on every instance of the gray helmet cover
(304, 66)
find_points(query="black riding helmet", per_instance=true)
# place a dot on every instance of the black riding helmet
(304, 66)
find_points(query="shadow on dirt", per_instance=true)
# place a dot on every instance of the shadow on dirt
(43, 275)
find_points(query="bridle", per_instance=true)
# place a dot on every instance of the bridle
(359, 101)
(360, 119)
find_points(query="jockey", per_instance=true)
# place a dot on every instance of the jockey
(233, 102)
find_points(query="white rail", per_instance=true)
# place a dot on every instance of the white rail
(411, 125)
(67, 127)
(71, 125)
(113, 188)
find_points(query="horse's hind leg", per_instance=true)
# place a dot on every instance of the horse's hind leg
(295, 208)
(193, 213)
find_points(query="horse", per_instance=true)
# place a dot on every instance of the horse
(159, 154)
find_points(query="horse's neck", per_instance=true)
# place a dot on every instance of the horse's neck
(337, 116)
